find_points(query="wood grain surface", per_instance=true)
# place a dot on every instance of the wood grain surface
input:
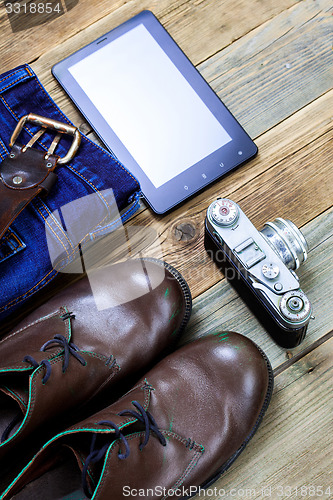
(189, 22)
(275, 184)
(272, 64)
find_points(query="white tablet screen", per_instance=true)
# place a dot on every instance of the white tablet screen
(149, 104)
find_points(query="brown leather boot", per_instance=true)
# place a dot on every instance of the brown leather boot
(66, 352)
(177, 430)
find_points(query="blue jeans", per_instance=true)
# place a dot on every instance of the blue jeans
(25, 264)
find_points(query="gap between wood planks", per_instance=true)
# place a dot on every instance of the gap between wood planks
(183, 23)
(240, 66)
(302, 354)
(253, 31)
(289, 156)
(294, 131)
(327, 92)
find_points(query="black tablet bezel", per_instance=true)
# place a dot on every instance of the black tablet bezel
(240, 149)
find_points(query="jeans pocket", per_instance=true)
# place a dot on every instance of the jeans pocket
(93, 171)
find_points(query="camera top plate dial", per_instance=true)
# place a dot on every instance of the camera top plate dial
(224, 212)
(295, 306)
(270, 270)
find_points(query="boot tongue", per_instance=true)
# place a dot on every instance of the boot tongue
(102, 433)
(140, 393)
(103, 449)
(28, 340)
(15, 372)
(80, 443)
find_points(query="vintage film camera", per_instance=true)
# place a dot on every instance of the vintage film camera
(264, 261)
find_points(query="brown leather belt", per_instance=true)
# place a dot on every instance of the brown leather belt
(27, 172)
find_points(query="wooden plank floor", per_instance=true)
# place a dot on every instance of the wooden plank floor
(272, 64)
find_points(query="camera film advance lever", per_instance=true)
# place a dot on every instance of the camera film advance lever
(265, 262)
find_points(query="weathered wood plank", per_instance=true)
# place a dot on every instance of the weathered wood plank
(200, 27)
(217, 23)
(274, 184)
(250, 71)
(292, 448)
(221, 308)
(278, 68)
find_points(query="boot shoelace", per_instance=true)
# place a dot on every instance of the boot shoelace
(97, 454)
(69, 348)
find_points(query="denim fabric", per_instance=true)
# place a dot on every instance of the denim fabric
(25, 265)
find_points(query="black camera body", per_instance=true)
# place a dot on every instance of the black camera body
(260, 265)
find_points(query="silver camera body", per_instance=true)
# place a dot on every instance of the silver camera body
(265, 261)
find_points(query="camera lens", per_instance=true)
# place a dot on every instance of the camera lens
(287, 241)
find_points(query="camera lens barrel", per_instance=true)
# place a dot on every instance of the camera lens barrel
(287, 241)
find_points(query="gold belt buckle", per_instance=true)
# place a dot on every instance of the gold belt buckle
(49, 123)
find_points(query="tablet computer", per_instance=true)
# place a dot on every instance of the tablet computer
(154, 111)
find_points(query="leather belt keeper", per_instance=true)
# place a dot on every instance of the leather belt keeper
(24, 175)
(27, 172)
